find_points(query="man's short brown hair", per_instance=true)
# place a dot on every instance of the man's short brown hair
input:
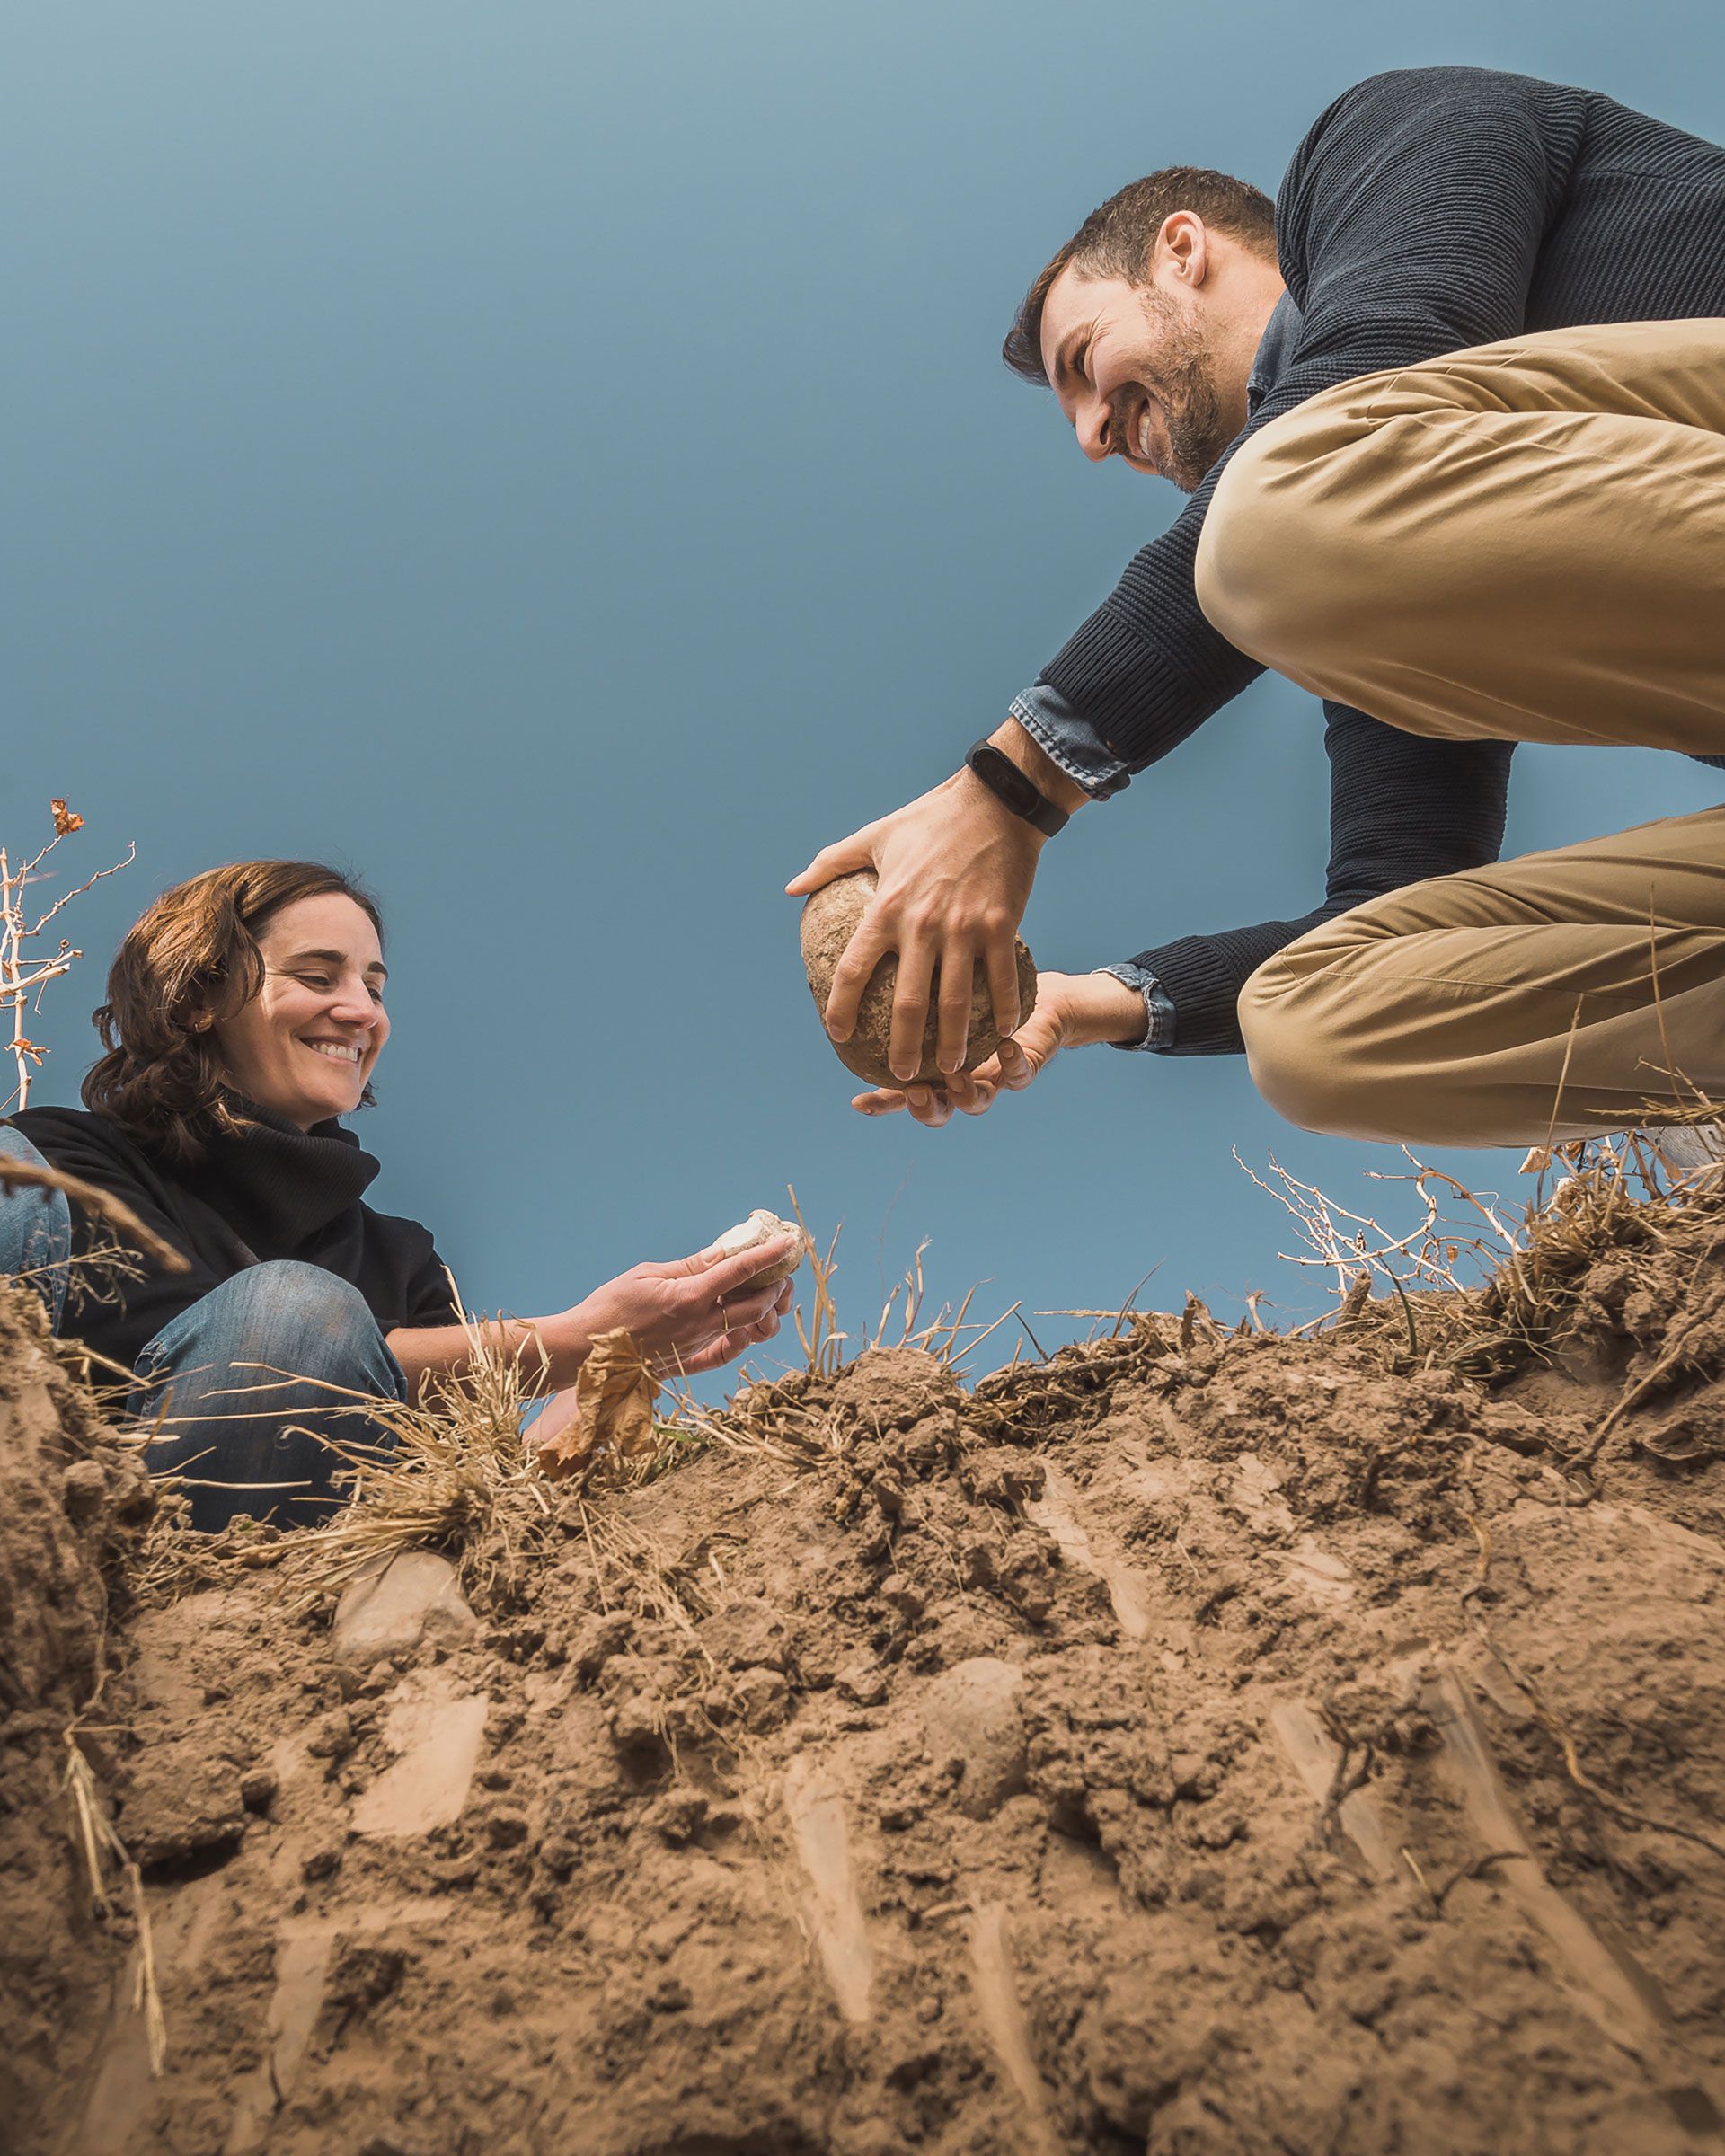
(1118, 239)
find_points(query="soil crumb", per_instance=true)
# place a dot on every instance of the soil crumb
(1197, 1743)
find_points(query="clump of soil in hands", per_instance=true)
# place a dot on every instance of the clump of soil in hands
(760, 1227)
(1192, 1743)
(829, 920)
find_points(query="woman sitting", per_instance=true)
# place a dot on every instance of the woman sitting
(245, 1018)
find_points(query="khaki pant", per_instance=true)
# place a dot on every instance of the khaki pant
(1526, 542)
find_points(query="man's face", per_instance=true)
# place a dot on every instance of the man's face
(1135, 371)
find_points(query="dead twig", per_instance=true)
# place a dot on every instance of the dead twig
(21, 977)
(25, 1175)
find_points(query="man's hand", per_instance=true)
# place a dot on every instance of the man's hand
(955, 870)
(1073, 1011)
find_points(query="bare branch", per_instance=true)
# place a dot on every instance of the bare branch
(26, 1175)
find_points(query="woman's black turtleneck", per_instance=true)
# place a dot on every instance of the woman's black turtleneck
(265, 1190)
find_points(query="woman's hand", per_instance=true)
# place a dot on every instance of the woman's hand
(1073, 1011)
(696, 1314)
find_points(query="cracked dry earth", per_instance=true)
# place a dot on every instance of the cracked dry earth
(1164, 1750)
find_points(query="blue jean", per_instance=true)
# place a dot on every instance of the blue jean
(35, 1230)
(245, 1440)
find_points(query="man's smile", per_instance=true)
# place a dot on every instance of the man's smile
(1130, 434)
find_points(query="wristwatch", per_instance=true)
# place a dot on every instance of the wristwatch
(1022, 796)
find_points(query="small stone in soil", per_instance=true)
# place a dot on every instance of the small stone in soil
(258, 1788)
(759, 1697)
(413, 1599)
(83, 1487)
(676, 1816)
(863, 1682)
(971, 1716)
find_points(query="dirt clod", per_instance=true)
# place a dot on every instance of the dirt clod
(829, 919)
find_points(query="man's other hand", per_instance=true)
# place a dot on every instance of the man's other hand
(1073, 1011)
(955, 870)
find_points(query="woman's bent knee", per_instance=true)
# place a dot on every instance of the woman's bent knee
(297, 1318)
(35, 1229)
(283, 1293)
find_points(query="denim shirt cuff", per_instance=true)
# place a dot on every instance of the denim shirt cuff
(1070, 741)
(1158, 1010)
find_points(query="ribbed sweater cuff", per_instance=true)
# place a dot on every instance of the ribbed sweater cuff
(1204, 988)
(1141, 702)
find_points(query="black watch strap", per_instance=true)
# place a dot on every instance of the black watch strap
(1022, 796)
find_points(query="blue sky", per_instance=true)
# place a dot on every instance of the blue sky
(555, 459)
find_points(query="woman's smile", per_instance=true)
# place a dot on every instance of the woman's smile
(322, 995)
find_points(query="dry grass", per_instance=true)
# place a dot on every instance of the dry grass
(1484, 1287)
(458, 1479)
(1475, 1285)
(98, 1842)
(26, 1175)
(788, 1418)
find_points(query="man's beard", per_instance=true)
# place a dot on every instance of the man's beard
(1198, 429)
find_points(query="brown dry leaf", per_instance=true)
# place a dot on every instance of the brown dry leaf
(64, 819)
(615, 1391)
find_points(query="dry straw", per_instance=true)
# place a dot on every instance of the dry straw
(1475, 1286)
(456, 1475)
(98, 1842)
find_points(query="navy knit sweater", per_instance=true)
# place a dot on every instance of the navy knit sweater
(1426, 210)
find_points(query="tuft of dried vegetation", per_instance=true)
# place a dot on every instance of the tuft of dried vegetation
(99, 1844)
(458, 1478)
(1485, 1290)
(1476, 1286)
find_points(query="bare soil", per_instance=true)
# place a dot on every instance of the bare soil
(1194, 1744)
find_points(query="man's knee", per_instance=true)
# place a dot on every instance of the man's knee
(1306, 1067)
(1276, 571)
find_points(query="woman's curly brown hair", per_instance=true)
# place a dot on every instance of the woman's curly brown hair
(185, 968)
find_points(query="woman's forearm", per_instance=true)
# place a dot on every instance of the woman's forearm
(689, 1316)
(550, 1349)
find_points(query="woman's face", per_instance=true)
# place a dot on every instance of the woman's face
(305, 1043)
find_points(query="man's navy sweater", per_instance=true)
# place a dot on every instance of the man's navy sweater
(1426, 210)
